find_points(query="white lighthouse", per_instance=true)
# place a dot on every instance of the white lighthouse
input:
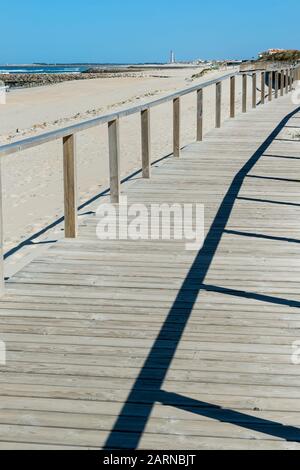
(172, 57)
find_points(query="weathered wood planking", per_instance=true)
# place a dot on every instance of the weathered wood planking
(70, 186)
(80, 321)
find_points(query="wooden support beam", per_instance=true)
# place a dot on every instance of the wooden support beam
(263, 87)
(218, 104)
(176, 127)
(282, 83)
(293, 76)
(232, 96)
(200, 115)
(254, 86)
(270, 94)
(244, 97)
(114, 160)
(70, 186)
(276, 84)
(146, 143)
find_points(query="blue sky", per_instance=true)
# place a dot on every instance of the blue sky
(144, 30)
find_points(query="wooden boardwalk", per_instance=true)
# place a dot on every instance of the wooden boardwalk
(124, 344)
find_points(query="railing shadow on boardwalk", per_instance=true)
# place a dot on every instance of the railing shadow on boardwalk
(185, 304)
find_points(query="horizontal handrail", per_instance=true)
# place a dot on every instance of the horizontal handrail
(30, 142)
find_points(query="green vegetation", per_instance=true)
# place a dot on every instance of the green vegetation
(291, 55)
(202, 73)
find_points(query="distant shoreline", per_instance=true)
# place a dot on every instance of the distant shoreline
(68, 68)
(20, 77)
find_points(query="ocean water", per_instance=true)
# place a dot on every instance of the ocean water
(42, 69)
(72, 68)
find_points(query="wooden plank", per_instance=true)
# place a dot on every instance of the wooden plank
(282, 83)
(291, 80)
(105, 408)
(244, 93)
(94, 439)
(260, 365)
(270, 94)
(232, 96)
(200, 115)
(246, 343)
(226, 398)
(263, 87)
(119, 376)
(70, 186)
(114, 160)
(86, 365)
(146, 143)
(69, 422)
(276, 84)
(218, 105)
(254, 85)
(176, 127)
(78, 386)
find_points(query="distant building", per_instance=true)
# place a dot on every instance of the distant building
(271, 52)
(172, 57)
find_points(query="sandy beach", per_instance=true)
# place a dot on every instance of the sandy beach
(32, 180)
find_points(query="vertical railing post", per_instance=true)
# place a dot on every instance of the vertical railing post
(200, 115)
(291, 80)
(263, 87)
(276, 84)
(232, 96)
(114, 160)
(270, 95)
(296, 76)
(70, 186)
(254, 90)
(244, 98)
(218, 104)
(176, 127)
(287, 81)
(146, 143)
(282, 83)
(2, 284)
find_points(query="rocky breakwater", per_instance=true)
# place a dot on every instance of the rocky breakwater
(14, 80)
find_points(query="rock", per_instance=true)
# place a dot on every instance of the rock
(38, 79)
(115, 71)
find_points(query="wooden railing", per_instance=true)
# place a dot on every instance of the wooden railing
(68, 136)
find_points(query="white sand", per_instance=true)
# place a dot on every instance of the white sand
(32, 180)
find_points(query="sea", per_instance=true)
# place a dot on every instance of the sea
(57, 68)
(40, 68)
